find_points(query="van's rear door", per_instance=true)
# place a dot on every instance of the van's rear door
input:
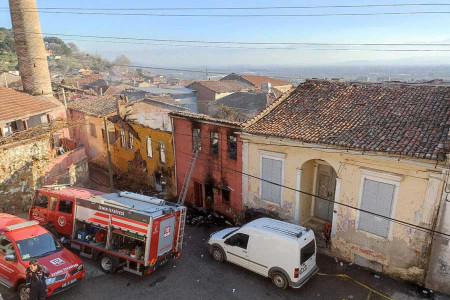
(166, 235)
(307, 258)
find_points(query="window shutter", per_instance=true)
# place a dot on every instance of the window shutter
(377, 198)
(271, 171)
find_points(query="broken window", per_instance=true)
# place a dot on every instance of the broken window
(214, 143)
(226, 195)
(196, 139)
(232, 147)
(92, 130)
(130, 141)
(149, 147)
(162, 152)
(123, 141)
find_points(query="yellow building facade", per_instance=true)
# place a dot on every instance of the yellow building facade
(145, 154)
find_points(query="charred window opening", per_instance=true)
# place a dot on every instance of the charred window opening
(149, 147)
(214, 143)
(196, 139)
(130, 141)
(225, 195)
(123, 141)
(232, 147)
(162, 152)
(209, 195)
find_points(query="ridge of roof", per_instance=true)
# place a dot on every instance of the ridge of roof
(268, 109)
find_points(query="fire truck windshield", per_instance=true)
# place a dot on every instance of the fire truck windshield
(38, 246)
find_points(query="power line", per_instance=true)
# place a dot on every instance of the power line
(246, 15)
(442, 235)
(238, 42)
(239, 8)
(267, 48)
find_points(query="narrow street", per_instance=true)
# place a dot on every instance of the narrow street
(196, 276)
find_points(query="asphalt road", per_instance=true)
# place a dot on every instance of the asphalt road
(196, 276)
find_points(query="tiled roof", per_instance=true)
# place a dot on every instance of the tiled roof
(410, 120)
(245, 100)
(17, 105)
(201, 117)
(97, 107)
(258, 80)
(222, 86)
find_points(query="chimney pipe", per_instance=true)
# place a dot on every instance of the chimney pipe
(30, 47)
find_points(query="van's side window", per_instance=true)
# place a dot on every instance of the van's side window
(307, 251)
(41, 200)
(53, 201)
(239, 240)
(65, 206)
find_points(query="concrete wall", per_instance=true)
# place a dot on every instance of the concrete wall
(438, 275)
(404, 253)
(28, 165)
(216, 170)
(138, 165)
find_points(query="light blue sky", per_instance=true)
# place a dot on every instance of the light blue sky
(336, 29)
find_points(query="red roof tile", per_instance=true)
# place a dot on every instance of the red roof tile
(258, 80)
(17, 105)
(410, 120)
(222, 86)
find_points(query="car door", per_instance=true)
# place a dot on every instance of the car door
(51, 211)
(39, 210)
(64, 217)
(8, 269)
(236, 249)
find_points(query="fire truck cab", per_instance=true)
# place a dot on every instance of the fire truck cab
(53, 207)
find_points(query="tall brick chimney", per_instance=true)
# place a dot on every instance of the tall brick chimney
(30, 49)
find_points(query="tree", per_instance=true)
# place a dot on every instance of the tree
(74, 48)
(122, 60)
(225, 113)
(61, 49)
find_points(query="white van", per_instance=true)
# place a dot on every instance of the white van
(282, 251)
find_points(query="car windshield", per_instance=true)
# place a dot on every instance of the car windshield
(229, 233)
(38, 246)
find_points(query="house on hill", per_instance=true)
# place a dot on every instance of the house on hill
(210, 90)
(368, 159)
(260, 82)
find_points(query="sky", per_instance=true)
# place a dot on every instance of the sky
(433, 28)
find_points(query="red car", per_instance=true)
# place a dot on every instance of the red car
(20, 242)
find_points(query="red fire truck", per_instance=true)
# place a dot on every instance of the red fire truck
(136, 232)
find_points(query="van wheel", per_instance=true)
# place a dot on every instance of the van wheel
(217, 254)
(108, 263)
(279, 280)
(22, 290)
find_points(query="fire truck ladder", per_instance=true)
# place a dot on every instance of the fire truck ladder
(187, 177)
(181, 225)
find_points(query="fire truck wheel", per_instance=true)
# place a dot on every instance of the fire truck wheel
(22, 290)
(217, 254)
(108, 263)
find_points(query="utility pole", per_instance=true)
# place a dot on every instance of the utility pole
(6, 80)
(111, 183)
(64, 97)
